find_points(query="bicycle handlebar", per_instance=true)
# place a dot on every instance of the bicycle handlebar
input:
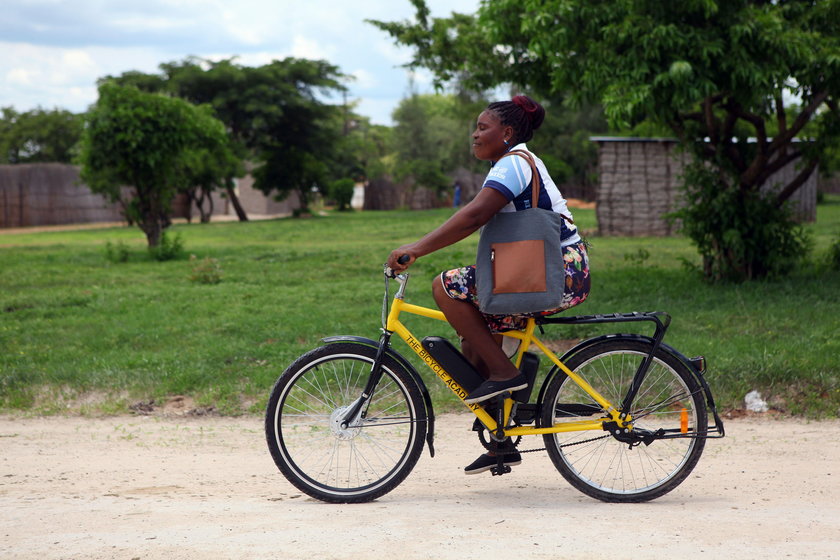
(389, 272)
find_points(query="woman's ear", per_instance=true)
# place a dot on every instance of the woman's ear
(508, 134)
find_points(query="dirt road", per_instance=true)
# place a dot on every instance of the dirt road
(155, 488)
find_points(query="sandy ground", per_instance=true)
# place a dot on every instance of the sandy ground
(170, 488)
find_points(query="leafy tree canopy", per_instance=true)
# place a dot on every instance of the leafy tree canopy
(431, 136)
(38, 135)
(276, 114)
(716, 72)
(147, 142)
(707, 68)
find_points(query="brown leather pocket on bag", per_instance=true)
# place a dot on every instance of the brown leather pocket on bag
(518, 267)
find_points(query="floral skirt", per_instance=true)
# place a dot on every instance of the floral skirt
(460, 284)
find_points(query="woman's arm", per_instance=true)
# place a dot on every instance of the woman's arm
(464, 222)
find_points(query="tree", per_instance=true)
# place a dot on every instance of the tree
(200, 83)
(341, 190)
(274, 115)
(715, 72)
(423, 140)
(147, 142)
(39, 135)
(204, 170)
(564, 145)
(292, 131)
(431, 137)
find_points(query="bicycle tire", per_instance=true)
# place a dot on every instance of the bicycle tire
(356, 464)
(600, 465)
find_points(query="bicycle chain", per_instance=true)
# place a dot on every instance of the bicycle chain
(511, 452)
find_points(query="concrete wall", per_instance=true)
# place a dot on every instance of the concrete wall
(829, 184)
(385, 194)
(42, 194)
(256, 204)
(640, 181)
(637, 185)
(49, 194)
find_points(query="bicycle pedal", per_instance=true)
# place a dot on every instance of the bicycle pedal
(499, 471)
(500, 468)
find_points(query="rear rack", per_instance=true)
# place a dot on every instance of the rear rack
(662, 321)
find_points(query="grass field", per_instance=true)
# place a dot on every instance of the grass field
(80, 331)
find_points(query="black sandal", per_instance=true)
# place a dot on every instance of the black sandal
(487, 462)
(490, 389)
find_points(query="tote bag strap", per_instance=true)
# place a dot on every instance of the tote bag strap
(535, 184)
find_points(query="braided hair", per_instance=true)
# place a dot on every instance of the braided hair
(521, 113)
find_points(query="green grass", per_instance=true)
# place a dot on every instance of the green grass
(81, 332)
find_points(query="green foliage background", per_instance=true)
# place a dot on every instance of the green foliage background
(38, 135)
(714, 73)
(82, 333)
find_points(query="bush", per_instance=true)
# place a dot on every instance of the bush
(741, 234)
(116, 252)
(169, 248)
(205, 271)
(342, 192)
(834, 254)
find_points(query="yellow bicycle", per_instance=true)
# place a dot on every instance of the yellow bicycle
(624, 417)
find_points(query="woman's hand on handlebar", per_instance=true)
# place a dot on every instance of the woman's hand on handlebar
(401, 258)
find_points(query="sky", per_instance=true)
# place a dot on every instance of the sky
(53, 51)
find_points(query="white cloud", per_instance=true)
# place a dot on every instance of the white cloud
(391, 52)
(423, 79)
(253, 58)
(303, 47)
(145, 22)
(364, 79)
(56, 50)
(19, 76)
(52, 77)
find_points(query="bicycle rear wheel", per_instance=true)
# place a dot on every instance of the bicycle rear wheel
(363, 461)
(670, 399)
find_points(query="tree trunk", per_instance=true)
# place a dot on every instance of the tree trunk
(240, 212)
(205, 216)
(151, 218)
(204, 196)
(153, 230)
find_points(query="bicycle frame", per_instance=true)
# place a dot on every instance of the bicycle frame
(393, 325)
(325, 411)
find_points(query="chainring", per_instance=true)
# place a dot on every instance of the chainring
(498, 447)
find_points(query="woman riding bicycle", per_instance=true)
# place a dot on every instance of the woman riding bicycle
(503, 126)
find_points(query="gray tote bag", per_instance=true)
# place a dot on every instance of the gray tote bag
(519, 264)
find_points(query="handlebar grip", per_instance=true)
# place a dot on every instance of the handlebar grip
(404, 259)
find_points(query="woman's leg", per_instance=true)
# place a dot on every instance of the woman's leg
(475, 357)
(480, 346)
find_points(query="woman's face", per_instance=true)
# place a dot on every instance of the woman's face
(489, 137)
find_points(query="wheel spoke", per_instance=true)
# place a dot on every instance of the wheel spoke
(614, 470)
(332, 462)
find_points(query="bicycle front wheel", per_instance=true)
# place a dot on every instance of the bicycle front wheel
(356, 463)
(669, 399)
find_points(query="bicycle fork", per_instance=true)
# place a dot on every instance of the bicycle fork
(359, 408)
